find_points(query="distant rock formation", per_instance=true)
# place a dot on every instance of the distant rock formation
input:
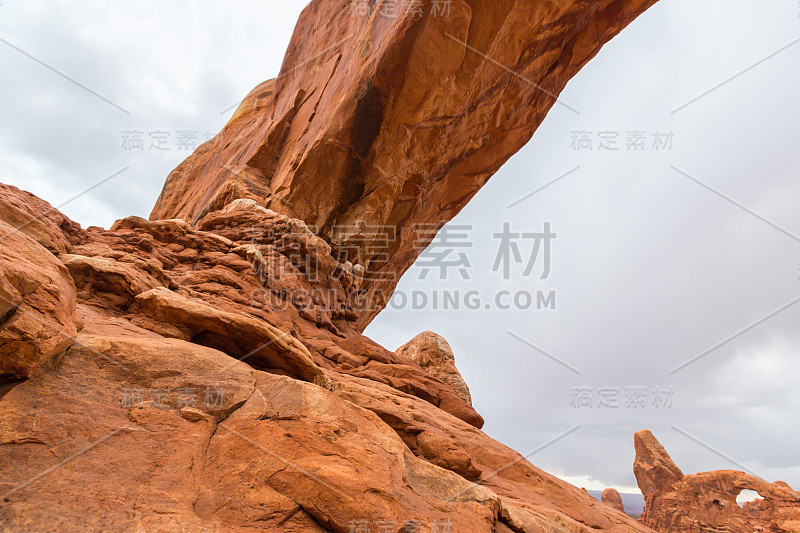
(433, 354)
(707, 501)
(613, 499)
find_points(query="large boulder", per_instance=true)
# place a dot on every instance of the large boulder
(37, 219)
(140, 433)
(653, 467)
(612, 498)
(37, 305)
(239, 335)
(434, 355)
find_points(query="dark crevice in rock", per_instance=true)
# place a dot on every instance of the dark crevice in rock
(367, 120)
(257, 358)
(6, 387)
(8, 315)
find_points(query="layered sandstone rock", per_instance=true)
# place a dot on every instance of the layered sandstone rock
(218, 382)
(37, 305)
(35, 218)
(612, 498)
(379, 130)
(707, 501)
(433, 354)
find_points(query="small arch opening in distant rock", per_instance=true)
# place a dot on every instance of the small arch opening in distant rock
(719, 503)
(747, 496)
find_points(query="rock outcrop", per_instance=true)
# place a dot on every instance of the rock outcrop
(707, 501)
(37, 305)
(434, 355)
(205, 370)
(201, 393)
(379, 129)
(612, 498)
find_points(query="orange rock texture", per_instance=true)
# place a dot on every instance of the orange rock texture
(378, 130)
(434, 355)
(187, 386)
(612, 498)
(707, 501)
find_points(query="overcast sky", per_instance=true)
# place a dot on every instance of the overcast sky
(660, 255)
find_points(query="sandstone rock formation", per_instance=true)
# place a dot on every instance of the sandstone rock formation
(205, 370)
(434, 355)
(379, 130)
(37, 305)
(612, 498)
(201, 393)
(707, 501)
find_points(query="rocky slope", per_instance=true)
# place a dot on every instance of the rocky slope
(707, 501)
(205, 370)
(186, 379)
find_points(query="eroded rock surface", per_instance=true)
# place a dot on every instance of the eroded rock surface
(433, 354)
(612, 498)
(37, 305)
(706, 501)
(215, 380)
